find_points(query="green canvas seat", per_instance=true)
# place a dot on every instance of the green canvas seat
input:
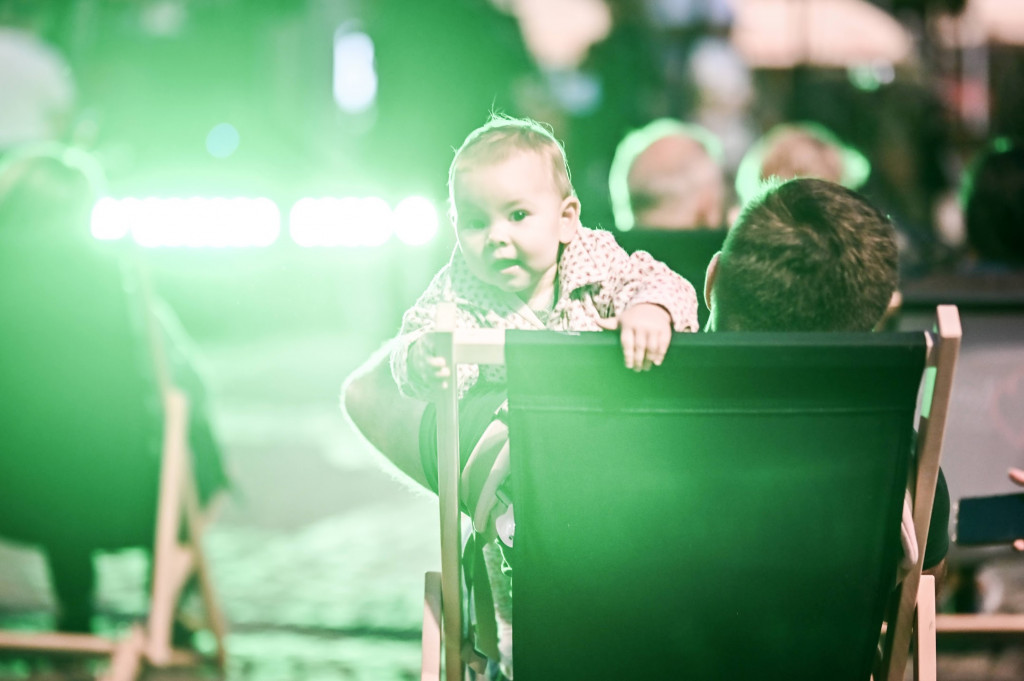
(732, 514)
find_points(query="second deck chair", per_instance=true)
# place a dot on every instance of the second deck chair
(979, 443)
(95, 440)
(732, 514)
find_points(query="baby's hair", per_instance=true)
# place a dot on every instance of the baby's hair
(638, 141)
(500, 136)
(806, 255)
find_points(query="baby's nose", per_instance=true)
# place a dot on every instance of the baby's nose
(497, 233)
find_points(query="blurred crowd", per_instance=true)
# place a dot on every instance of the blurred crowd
(903, 115)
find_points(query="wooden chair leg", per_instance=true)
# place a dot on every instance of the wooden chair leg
(126, 661)
(169, 561)
(924, 635)
(176, 560)
(430, 664)
(214, 615)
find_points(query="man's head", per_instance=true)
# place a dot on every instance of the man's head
(667, 175)
(806, 255)
(993, 199)
(513, 206)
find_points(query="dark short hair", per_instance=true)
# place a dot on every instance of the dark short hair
(806, 255)
(993, 199)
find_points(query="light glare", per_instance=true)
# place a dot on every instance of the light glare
(355, 78)
(415, 221)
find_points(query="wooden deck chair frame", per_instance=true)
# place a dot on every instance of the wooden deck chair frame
(912, 614)
(975, 626)
(178, 554)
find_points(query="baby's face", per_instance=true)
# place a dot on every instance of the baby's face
(510, 221)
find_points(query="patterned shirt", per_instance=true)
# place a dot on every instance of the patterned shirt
(597, 279)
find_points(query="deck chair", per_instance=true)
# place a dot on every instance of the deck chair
(980, 443)
(95, 441)
(732, 514)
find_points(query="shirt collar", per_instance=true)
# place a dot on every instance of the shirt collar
(577, 267)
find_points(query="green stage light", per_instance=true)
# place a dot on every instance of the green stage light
(415, 221)
(355, 78)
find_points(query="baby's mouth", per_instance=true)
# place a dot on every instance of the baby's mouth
(503, 265)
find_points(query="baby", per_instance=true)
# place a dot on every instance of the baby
(524, 261)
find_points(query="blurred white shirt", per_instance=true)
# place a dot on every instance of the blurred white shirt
(37, 91)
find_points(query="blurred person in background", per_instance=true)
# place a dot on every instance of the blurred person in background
(668, 194)
(993, 201)
(47, 192)
(668, 175)
(37, 89)
(800, 149)
(992, 205)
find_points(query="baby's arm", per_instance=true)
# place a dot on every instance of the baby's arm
(415, 364)
(650, 302)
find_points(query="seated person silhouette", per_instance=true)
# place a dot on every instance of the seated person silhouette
(72, 488)
(668, 194)
(992, 200)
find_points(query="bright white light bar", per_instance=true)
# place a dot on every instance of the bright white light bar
(368, 221)
(348, 221)
(242, 222)
(191, 223)
(415, 220)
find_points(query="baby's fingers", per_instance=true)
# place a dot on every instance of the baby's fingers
(657, 348)
(634, 345)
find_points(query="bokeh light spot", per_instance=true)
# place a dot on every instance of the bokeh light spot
(222, 140)
(355, 77)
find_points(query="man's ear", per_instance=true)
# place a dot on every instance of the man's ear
(709, 278)
(569, 220)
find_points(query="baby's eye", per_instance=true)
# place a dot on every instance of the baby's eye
(473, 224)
(518, 215)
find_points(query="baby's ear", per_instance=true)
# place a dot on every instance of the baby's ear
(569, 220)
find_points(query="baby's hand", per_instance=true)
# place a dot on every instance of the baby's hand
(646, 334)
(427, 366)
